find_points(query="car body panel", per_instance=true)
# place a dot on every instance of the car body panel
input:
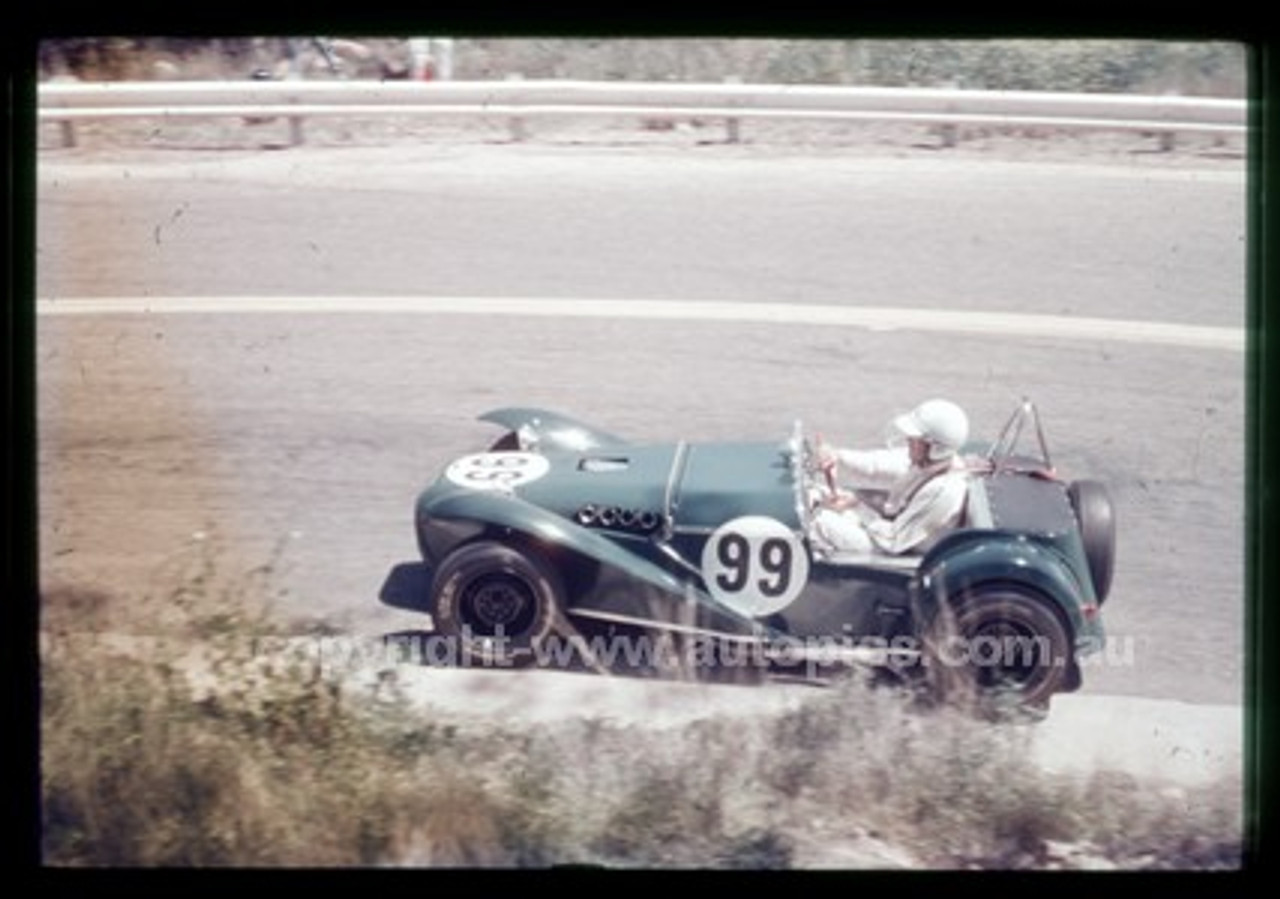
(551, 428)
(628, 479)
(722, 481)
(610, 580)
(1007, 557)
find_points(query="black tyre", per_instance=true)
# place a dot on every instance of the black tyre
(496, 601)
(507, 442)
(1097, 519)
(998, 650)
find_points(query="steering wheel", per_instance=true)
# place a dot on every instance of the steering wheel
(828, 470)
(806, 466)
(803, 467)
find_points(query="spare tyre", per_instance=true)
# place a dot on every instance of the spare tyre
(1097, 520)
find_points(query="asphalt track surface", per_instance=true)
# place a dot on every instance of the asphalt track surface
(311, 430)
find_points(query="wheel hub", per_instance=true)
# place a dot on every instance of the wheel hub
(1006, 655)
(498, 601)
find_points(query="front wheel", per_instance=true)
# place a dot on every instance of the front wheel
(497, 602)
(998, 650)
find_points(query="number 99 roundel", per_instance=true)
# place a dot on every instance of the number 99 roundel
(755, 565)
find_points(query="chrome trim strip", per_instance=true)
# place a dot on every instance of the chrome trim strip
(662, 625)
(694, 529)
(669, 551)
(787, 652)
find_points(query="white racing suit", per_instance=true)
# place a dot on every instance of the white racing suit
(923, 503)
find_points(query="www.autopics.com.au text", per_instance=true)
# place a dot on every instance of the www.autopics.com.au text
(662, 651)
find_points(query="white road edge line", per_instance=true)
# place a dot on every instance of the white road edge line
(1006, 324)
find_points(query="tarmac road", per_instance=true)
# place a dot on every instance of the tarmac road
(315, 430)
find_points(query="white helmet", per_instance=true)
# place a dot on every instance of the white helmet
(941, 423)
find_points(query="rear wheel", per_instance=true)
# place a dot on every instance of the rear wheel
(496, 601)
(998, 651)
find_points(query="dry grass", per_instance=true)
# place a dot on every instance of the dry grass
(143, 767)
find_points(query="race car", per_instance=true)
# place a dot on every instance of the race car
(560, 527)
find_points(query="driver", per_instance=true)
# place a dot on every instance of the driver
(923, 473)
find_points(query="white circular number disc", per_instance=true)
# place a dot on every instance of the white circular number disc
(497, 471)
(755, 565)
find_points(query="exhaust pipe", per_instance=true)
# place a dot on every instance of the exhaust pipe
(610, 516)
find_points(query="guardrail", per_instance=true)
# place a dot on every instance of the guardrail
(517, 99)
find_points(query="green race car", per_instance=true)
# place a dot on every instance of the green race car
(561, 530)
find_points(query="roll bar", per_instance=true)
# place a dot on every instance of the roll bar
(1001, 452)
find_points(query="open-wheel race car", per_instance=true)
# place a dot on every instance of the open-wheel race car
(559, 528)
